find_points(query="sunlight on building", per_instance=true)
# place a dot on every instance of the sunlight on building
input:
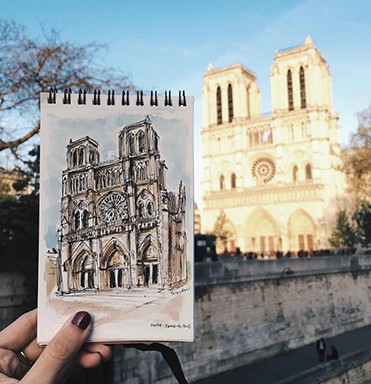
(274, 177)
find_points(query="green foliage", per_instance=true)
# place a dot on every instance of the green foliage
(363, 218)
(357, 159)
(222, 227)
(343, 236)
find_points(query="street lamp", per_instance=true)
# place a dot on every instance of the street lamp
(285, 272)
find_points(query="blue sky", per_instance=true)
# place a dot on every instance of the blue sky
(168, 44)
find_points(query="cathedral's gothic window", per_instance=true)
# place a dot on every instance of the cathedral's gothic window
(303, 100)
(149, 208)
(91, 157)
(76, 219)
(308, 172)
(233, 180)
(263, 170)
(85, 219)
(81, 156)
(219, 106)
(295, 173)
(230, 103)
(141, 146)
(145, 206)
(290, 94)
(130, 144)
(221, 182)
(74, 158)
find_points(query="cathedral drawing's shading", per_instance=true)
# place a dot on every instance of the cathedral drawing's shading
(120, 227)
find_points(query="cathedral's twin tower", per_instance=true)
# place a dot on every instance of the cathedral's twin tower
(120, 226)
(275, 177)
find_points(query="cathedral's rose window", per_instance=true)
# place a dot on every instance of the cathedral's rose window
(113, 207)
(263, 169)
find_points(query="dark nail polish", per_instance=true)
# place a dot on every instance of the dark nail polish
(81, 319)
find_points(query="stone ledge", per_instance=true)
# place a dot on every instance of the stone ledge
(234, 271)
(331, 369)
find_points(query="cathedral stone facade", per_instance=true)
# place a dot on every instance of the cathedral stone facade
(120, 227)
(271, 182)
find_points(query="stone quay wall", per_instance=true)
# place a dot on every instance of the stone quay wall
(12, 296)
(247, 310)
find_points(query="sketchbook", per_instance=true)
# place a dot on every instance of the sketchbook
(116, 215)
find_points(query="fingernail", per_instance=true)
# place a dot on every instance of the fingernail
(81, 320)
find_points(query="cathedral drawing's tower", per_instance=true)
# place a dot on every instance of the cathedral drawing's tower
(274, 179)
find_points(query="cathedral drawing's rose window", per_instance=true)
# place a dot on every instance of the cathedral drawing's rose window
(113, 207)
(263, 169)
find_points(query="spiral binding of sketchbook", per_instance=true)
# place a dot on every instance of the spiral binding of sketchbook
(125, 97)
(116, 202)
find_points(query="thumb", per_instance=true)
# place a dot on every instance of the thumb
(60, 353)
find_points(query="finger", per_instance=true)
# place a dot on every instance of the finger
(61, 351)
(32, 350)
(94, 354)
(20, 333)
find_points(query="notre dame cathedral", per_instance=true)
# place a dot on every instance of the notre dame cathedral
(120, 227)
(272, 181)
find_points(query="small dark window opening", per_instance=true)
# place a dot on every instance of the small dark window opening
(219, 106)
(303, 100)
(290, 91)
(230, 103)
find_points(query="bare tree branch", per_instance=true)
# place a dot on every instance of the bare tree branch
(30, 66)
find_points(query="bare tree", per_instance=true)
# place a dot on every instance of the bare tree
(30, 66)
(357, 159)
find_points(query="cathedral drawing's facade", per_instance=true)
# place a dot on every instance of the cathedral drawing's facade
(120, 226)
(275, 178)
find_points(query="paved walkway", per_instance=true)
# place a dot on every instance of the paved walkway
(274, 369)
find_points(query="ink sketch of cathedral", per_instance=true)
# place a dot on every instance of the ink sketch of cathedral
(120, 227)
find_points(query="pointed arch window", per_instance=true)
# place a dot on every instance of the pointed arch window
(85, 219)
(230, 103)
(141, 141)
(233, 181)
(295, 173)
(290, 93)
(74, 158)
(221, 182)
(77, 220)
(219, 116)
(130, 143)
(303, 100)
(81, 156)
(308, 172)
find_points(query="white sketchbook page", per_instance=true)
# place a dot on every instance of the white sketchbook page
(79, 269)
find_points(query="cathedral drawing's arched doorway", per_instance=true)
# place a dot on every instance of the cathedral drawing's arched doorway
(115, 266)
(149, 265)
(117, 270)
(84, 271)
(302, 231)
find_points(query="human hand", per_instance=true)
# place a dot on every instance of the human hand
(23, 360)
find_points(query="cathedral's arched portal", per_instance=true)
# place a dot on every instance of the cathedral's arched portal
(262, 233)
(117, 271)
(149, 264)
(115, 267)
(302, 231)
(84, 271)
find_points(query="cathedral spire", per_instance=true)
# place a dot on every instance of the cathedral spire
(308, 41)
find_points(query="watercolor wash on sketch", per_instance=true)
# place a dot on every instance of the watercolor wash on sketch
(120, 227)
(116, 234)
